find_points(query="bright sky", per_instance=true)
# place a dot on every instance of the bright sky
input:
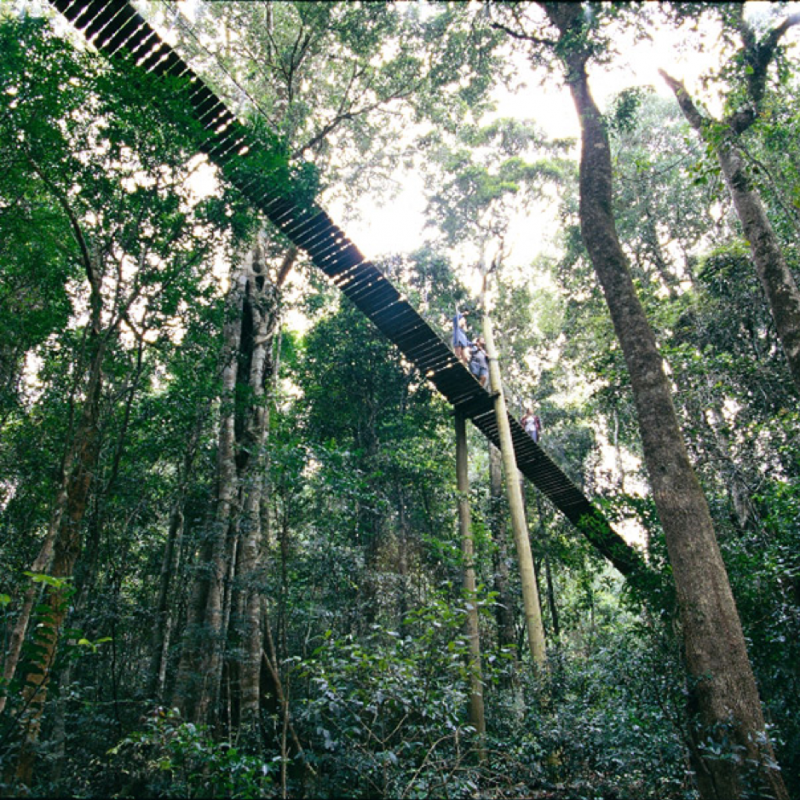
(399, 227)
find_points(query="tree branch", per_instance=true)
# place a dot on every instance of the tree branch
(74, 223)
(687, 106)
(758, 56)
(527, 37)
(790, 212)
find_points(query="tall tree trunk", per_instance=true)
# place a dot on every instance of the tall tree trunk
(233, 557)
(504, 608)
(162, 628)
(551, 599)
(41, 564)
(67, 547)
(471, 627)
(165, 613)
(530, 590)
(44, 558)
(403, 536)
(262, 300)
(773, 272)
(201, 659)
(551, 592)
(723, 692)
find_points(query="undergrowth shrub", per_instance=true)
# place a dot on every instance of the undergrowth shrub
(173, 758)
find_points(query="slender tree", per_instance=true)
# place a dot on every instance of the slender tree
(726, 138)
(471, 627)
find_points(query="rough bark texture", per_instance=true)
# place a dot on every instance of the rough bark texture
(226, 598)
(197, 685)
(40, 564)
(67, 547)
(723, 694)
(262, 305)
(773, 272)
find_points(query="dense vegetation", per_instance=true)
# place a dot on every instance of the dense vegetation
(229, 529)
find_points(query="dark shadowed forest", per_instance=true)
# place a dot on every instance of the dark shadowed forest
(254, 540)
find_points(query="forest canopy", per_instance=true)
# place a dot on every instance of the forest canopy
(248, 546)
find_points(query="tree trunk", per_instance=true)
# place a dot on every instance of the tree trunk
(162, 628)
(551, 592)
(403, 536)
(530, 591)
(201, 659)
(67, 547)
(40, 565)
(504, 608)
(773, 272)
(45, 556)
(551, 599)
(164, 615)
(262, 301)
(723, 693)
(233, 555)
(471, 627)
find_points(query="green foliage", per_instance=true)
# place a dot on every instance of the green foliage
(172, 758)
(626, 107)
(765, 573)
(386, 714)
(486, 174)
(363, 563)
(616, 721)
(330, 78)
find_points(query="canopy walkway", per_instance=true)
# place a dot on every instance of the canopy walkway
(115, 27)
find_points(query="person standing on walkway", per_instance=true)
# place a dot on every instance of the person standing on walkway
(532, 425)
(461, 342)
(479, 361)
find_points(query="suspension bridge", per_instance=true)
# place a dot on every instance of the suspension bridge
(116, 29)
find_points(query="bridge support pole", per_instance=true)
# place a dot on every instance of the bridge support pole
(476, 710)
(530, 590)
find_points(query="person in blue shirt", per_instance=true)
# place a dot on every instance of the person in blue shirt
(461, 342)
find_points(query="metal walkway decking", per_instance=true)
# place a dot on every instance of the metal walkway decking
(114, 27)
